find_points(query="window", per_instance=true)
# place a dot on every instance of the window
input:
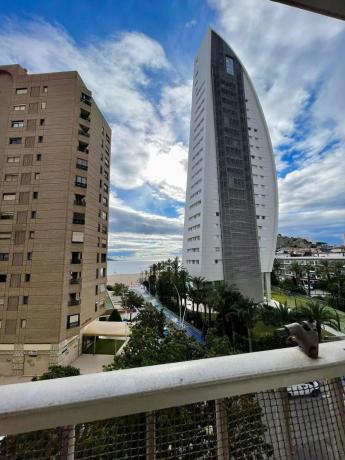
(25, 299)
(33, 214)
(38, 157)
(3, 256)
(96, 289)
(8, 196)
(9, 215)
(40, 139)
(13, 159)
(104, 215)
(79, 200)
(45, 89)
(29, 256)
(43, 105)
(31, 234)
(81, 181)
(105, 201)
(23, 323)
(229, 65)
(81, 164)
(73, 321)
(21, 91)
(78, 218)
(35, 195)
(17, 124)
(27, 277)
(5, 235)
(37, 176)
(11, 177)
(3, 278)
(20, 107)
(42, 121)
(77, 237)
(15, 140)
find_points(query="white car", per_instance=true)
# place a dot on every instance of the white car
(305, 389)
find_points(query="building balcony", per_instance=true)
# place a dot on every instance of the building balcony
(78, 222)
(76, 261)
(73, 302)
(231, 407)
(75, 281)
(80, 202)
(86, 100)
(83, 133)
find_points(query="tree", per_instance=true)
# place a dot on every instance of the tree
(114, 316)
(247, 311)
(297, 271)
(307, 269)
(119, 289)
(279, 315)
(318, 313)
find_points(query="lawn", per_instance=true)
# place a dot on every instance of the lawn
(261, 330)
(294, 301)
(105, 347)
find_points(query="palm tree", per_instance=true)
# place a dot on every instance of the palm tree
(247, 311)
(279, 315)
(199, 290)
(297, 271)
(319, 313)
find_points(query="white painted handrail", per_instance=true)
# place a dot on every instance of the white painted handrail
(51, 403)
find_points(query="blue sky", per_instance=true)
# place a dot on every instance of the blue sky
(137, 56)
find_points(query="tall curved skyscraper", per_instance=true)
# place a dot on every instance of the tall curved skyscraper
(231, 198)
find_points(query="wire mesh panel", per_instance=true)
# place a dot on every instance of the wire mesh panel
(304, 421)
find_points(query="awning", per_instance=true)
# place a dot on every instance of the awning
(115, 329)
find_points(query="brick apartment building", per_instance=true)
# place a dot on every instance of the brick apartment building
(54, 183)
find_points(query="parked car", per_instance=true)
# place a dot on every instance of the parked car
(305, 389)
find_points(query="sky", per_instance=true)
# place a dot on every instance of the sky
(137, 58)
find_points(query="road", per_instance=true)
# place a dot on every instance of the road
(170, 316)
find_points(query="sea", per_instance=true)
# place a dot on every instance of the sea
(119, 267)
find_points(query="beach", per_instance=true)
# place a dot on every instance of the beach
(127, 279)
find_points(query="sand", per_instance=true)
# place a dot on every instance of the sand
(127, 279)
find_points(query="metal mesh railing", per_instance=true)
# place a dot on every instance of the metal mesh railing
(304, 421)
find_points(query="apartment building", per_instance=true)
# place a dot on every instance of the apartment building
(231, 211)
(54, 176)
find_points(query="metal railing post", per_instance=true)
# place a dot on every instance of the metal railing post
(67, 434)
(150, 435)
(222, 430)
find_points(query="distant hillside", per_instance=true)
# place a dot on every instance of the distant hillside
(292, 242)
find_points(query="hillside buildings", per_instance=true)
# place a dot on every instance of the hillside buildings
(231, 197)
(54, 163)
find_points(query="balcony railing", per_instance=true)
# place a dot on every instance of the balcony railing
(232, 407)
(79, 202)
(87, 101)
(73, 302)
(76, 261)
(75, 281)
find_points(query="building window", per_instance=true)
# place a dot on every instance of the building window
(25, 299)
(77, 237)
(15, 140)
(23, 323)
(78, 218)
(38, 157)
(29, 256)
(40, 139)
(43, 105)
(42, 121)
(33, 214)
(13, 159)
(82, 164)
(34, 195)
(8, 196)
(8, 215)
(5, 235)
(21, 91)
(96, 290)
(11, 177)
(17, 124)
(3, 256)
(19, 107)
(79, 200)
(31, 234)
(3, 278)
(229, 65)
(73, 321)
(37, 176)
(81, 181)
(27, 277)
(45, 89)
